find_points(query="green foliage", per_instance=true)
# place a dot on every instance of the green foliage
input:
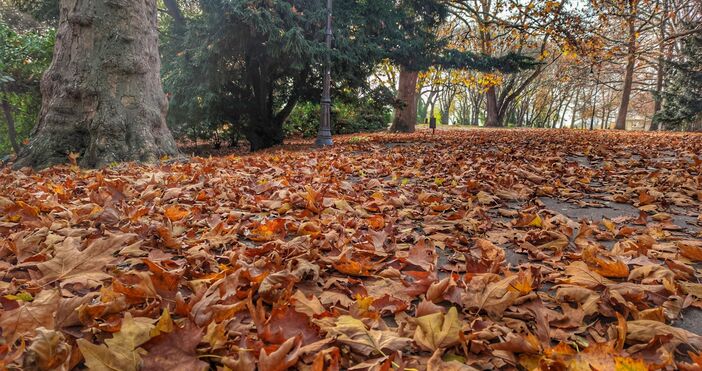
(682, 109)
(45, 11)
(243, 65)
(303, 120)
(23, 58)
(347, 118)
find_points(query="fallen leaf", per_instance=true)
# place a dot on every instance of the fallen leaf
(438, 330)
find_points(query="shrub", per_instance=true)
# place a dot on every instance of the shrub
(346, 119)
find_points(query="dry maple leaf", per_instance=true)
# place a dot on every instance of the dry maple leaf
(282, 358)
(518, 343)
(70, 264)
(580, 274)
(308, 306)
(438, 330)
(437, 364)
(528, 220)
(376, 222)
(175, 350)
(604, 264)
(175, 213)
(359, 338)
(353, 268)
(645, 330)
(268, 231)
(423, 254)
(49, 351)
(30, 316)
(494, 298)
(690, 249)
(122, 351)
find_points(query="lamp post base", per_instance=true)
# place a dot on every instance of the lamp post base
(324, 139)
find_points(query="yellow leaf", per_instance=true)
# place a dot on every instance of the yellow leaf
(122, 351)
(438, 330)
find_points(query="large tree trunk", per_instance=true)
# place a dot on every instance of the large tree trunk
(102, 94)
(406, 114)
(628, 77)
(11, 132)
(493, 119)
(265, 134)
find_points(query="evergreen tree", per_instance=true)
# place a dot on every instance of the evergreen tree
(241, 66)
(682, 108)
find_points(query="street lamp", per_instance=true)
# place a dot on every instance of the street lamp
(324, 137)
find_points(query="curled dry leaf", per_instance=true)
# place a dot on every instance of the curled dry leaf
(282, 358)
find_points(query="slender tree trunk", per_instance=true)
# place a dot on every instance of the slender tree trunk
(561, 119)
(575, 109)
(406, 115)
(628, 76)
(661, 69)
(476, 113)
(446, 104)
(492, 111)
(174, 11)
(11, 133)
(102, 94)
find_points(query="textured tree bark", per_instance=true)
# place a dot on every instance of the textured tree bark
(406, 115)
(493, 119)
(11, 133)
(102, 94)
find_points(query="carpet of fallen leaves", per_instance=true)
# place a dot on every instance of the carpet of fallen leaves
(479, 249)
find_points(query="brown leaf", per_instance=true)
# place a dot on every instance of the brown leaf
(643, 331)
(281, 359)
(423, 254)
(122, 351)
(23, 321)
(70, 264)
(437, 364)
(355, 334)
(175, 350)
(49, 351)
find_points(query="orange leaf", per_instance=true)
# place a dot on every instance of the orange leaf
(607, 266)
(376, 222)
(691, 250)
(268, 231)
(175, 213)
(523, 284)
(353, 268)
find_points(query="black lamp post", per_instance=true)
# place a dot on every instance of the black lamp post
(324, 137)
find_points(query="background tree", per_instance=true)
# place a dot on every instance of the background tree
(683, 99)
(25, 52)
(243, 66)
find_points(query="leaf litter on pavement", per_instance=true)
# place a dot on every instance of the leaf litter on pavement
(467, 250)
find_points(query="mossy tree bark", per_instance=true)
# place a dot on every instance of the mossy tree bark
(102, 94)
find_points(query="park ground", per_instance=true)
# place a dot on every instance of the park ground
(467, 249)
